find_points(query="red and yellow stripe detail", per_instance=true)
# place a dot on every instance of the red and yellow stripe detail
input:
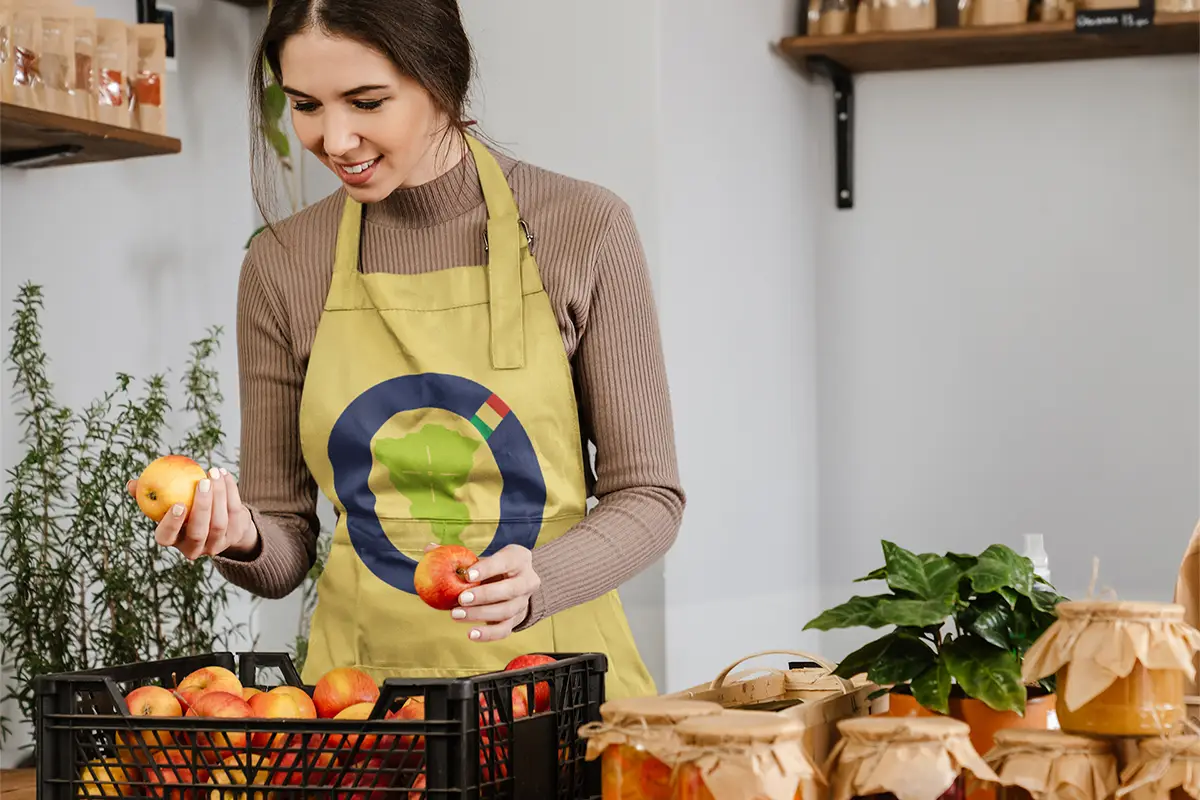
(490, 414)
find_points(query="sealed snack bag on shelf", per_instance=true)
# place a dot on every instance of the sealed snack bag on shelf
(58, 57)
(1052, 765)
(830, 17)
(895, 15)
(745, 755)
(149, 90)
(112, 63)
(884, 758)
(25, 86)
(637, 744)
(83, 91)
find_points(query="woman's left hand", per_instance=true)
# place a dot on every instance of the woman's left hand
(501, 602)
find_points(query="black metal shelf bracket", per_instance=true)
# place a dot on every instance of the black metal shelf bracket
(843, 118)
(37, 157)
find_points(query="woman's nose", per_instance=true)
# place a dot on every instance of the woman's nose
(340, 137)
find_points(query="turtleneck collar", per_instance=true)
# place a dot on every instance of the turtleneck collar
(442, 199)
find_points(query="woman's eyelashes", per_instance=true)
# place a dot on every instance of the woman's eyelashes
(307, 106)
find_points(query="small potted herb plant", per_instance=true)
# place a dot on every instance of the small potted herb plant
(960, 627)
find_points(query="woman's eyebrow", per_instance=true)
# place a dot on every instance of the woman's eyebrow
(347, 93)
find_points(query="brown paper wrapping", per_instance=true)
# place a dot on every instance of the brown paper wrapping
(913, 758)
(1052, 765)
(1103, 640)
(112, 64)
(84, 93)
(645, 721)
(56, 63)
(1187, 594)
(1160, 766)
(149, 79)
(749, 755)
(25, 28)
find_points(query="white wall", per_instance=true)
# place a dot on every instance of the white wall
(1009, 330)
(138, 258)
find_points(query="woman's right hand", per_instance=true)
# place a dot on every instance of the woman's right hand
(218, 524)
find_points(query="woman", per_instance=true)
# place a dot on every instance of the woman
(397, 350)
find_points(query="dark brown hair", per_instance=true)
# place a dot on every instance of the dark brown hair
(425, 39)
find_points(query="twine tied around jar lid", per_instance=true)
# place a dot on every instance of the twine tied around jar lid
(912, 758)
(748, 755)
(1162, 764)
(1052, 765)
(645, 721)
(1103, 640)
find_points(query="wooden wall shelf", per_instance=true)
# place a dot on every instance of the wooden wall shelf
(1138, 32)
(33, 138)
(1034, 42)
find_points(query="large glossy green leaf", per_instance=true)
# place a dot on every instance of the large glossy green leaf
(904, 659)
(274, 103)
(874, 575)
(279, 141)
(932, 687)
(912, 613)
(1001, 567)
(991, 621)
(986, 673)
(857, 612)
(928, 576)
(862, 660)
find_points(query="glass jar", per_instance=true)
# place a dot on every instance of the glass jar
(733, 749)
(635, 740)
(1033, 764)
(1121, 666)
(1167, 767)
(878, 757)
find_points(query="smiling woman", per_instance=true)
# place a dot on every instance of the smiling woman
(434, 346)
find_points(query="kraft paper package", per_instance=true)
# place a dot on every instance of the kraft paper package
(149, 78)
(57, 61)
(1187, 594)
(112, 66)
(25, 86)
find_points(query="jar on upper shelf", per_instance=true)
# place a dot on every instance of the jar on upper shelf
(1034, 764)
(745, 755)
(636, 741)
(1162, 768)
(1121, 666)
(885, 758)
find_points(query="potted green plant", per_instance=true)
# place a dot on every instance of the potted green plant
(960, 627)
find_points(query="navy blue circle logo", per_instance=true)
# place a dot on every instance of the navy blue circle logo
(429, 465)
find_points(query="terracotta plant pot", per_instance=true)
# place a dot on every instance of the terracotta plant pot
(1040, 714)
(905, 705)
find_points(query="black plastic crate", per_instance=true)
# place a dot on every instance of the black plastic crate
(462, 748)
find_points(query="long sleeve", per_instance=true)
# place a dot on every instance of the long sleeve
(273, 481)
(626, 411)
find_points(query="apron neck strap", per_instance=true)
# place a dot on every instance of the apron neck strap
(506, 237)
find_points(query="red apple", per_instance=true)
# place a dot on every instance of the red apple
(541, 693)
(441, 575)
(167, 481)
(169, 768)
(267, 705)
(204, 680)
(107, 778)
(369, 781)
(250, 691)
(492, 722)
(218, 746)
(418, 784)
(341, 688)
(147, 701)
(308, 709)
(323, 768)
(347, 742)
(236, 770)
(409, 748)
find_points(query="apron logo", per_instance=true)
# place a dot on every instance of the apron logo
(430, 466)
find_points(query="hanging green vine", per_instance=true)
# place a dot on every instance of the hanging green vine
(82, 582)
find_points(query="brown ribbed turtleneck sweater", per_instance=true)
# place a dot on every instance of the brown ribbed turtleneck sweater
(594, 270)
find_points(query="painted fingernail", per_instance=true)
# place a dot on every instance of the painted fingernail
(224, 472)
(458, 613)
(203, 485)
(472, 574)
(466, 598)
(214, 473)
(177, 510)
(475, 634)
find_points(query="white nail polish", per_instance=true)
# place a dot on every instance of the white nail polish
(466, 598)
(458, 613)
(215, 474)
(177, 510)
(475, 634)
(203, 486)
(472, 574)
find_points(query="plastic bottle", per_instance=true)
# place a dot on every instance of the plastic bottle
(1035, 551)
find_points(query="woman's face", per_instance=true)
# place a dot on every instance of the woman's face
(374, 127)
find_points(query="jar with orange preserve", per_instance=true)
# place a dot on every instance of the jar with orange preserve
(891, 758)
(1162, 768)
(1052, 765)
(1121, 666)
(636, 740)
(745, 755)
